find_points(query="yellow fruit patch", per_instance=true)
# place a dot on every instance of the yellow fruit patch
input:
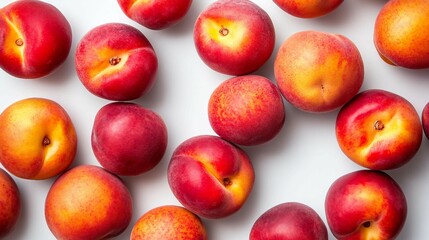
(107, 62)
(15, 42)
(231, 34)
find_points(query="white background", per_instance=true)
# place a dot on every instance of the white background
(298, 165)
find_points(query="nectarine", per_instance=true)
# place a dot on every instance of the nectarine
(379, 130)
(365, 204)
(128, 139)
(401, 33)
(36, 38)
(10, 203)
(116, 61)
(246, 110)
(210, 176)
(308, 8)
(37, 138)
(169, 222)
(157, 14)
(289, 221)
(88, 202)
(234, 37)
(318, 71)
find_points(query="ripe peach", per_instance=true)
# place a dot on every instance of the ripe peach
(128, 139)
(157, 14)
(116, 61)
(234, 37)
(289, 221)
(401, 33)
(365, 204)
(210, 176)
(246, 110)
(379, 130)
(88, 202)
(36, 38)
(37, 138)
(308, 9)
(168, 222)
(10, 202)
(318, 71)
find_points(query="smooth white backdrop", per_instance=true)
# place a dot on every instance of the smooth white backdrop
(298, 165)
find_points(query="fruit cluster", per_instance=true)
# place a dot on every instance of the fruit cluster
(211, 176)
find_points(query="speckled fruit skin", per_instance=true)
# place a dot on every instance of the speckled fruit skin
(88, 202)
(308, 8)
(318, 71)
(36, 38)
(128, 139)
(425, 120)
(234, 37)
(37, 139)
(155, 15)
(401, 33)
(289, 221)
(116, 61)
(365, 204)
(210, 176)
(169, 222)
(10, 202)
(379, 130)
(246, 110)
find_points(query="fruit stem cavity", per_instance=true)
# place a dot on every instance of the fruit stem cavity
(224, 31)
(378, 125)
(19, 42)
(367, 224)
(114, 60)
(227, 182)
(46, 141)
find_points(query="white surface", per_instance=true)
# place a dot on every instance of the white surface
(298, 165)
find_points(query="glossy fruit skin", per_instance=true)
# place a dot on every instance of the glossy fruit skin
(308, 9)
(156, 15)
(246, 110)
(169, 222)
(365, 204)
(128, 139)
(36, 38)
(379, 130)
(401, 33)
(88, 202)
(10, 202)
(38, 139)
(210, 176)
(234, 37)
(318, 71)
(289, 221)
(116, 61)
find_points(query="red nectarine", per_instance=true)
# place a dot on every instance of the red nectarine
(246, 110)
(128, 139)
(36, 38)
(10, 203)
(234, 37)
(210, 176)
(116, 61)
(365, 204)
(157, 14)
(379, 130)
